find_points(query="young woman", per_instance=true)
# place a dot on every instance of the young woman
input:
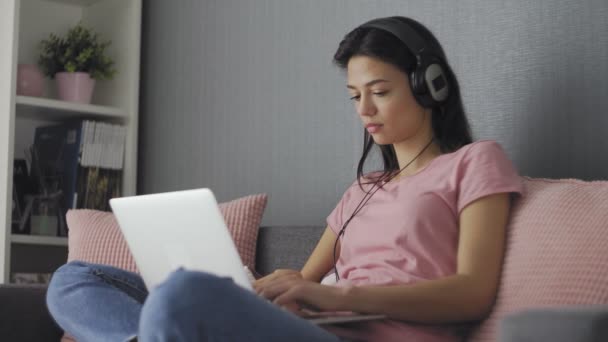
(421, 241)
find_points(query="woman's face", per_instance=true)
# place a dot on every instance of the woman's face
(384, 101)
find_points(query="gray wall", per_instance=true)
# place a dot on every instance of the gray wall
(241, 96)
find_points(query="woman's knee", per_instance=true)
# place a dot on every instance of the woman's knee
(184, 300)
(74, 266)
(65, 280)
(69, 273)
(196, 284)
(183, 288)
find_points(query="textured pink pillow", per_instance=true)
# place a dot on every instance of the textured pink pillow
(94, 236)
(243, 217)
(557, 250)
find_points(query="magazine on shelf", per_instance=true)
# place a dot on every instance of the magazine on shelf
(100, 166)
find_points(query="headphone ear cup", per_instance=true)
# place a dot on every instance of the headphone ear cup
(419, 88)
(429, 83)
(436, 82)
(417, 82)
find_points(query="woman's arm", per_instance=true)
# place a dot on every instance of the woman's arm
(319, 263)
(468, 295)
(321, 260)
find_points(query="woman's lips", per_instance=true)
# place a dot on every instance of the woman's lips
(373, 128)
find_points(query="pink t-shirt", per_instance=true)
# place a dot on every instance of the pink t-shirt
(408, 231)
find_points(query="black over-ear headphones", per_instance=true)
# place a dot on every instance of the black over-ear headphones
(428, 81)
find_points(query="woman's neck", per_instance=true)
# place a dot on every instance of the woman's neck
(406, 154)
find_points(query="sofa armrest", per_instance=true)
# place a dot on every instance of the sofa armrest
(24, 315)
(564, 324)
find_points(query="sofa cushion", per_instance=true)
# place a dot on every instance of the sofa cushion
(576, 323)
(94, 236)
(557, 250)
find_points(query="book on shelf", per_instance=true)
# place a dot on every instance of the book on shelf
(30, 278)
(57, 148)
(21, 188)
(21, 181)
(83, 159)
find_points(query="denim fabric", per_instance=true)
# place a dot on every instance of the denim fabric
(102, 303)
(96, 302)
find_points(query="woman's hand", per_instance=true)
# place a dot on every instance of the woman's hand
(277, 275)
(288, 289)
(280, 275)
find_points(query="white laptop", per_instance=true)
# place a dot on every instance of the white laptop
(186, 229)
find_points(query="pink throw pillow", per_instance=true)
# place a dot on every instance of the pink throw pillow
(557, 250)
(243, 217)
(94, 236)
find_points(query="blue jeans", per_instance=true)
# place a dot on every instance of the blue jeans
(102, 303)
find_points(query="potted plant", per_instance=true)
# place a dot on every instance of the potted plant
(76, 61)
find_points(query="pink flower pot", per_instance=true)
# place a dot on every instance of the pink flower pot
(30, 80)
(75, 86)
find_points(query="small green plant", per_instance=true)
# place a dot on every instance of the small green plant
(80, 51)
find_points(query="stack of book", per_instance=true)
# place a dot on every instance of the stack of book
(84, 159)
(100, 165)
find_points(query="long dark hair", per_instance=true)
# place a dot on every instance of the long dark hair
(450, 126)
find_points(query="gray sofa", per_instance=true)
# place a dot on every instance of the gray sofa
(23, 314)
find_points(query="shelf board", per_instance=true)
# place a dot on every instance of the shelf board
(49, 109)
(39, 240)
(83, 3)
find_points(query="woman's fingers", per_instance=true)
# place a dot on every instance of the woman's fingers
(275, 288)
(293, 294)
(276, 276)
(292, 307)
(311, 295)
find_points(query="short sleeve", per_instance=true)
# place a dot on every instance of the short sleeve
(486, 170)
(336, 217)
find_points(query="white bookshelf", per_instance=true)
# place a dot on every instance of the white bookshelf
(23, 24)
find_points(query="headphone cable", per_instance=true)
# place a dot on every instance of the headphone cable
(366, 199)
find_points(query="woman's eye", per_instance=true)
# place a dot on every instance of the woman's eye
(379, 94)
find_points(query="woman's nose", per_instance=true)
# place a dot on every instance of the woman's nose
(366, 107)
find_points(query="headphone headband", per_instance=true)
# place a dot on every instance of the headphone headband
(401, 30)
